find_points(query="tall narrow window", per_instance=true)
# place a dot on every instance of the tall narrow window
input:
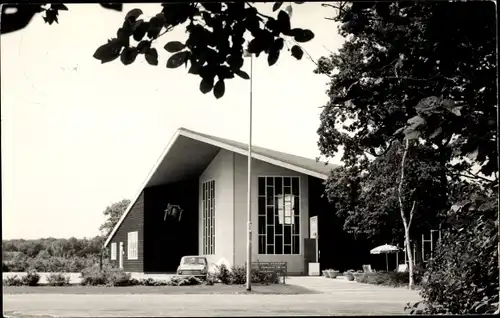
(279, 215)
(208, 208)
(113, 251)
(132, 245)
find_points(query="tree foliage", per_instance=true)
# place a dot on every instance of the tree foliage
(367, 198)
(462, 277)
(421, 70)
(218, 35)
(113, 213)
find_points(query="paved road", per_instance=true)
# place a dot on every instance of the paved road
(339, 297)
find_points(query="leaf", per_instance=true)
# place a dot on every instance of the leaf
(143, 46)
(128, 55)
(302, 35)
(140, 29)
(174, 46)
(195, 68)
(152, 56)
(108, 52)
(272, 57)
(411, 133)
(436, 133)
(242, 74)
(112, 6)
(219, 89)
(297, 52)
(206, 85)
(133, 14)
(416, 121)
(456, 110)
(59, 6)
(289, 10)
(277, 5)
(178, 59)
(284, 21)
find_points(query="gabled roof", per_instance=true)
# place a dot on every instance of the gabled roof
(203, 148)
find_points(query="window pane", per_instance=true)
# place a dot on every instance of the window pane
(288, 220)
(279, 244)
(288, 239)
(288, 249)
(278, 227)
(296, 246)
(286, 190)
(270, 215)
(262, 244)
(270, 191)
(278, 186)
(295, 185)
(296, 225)
(262, 186)
(296, 206)
(270, 181)
(270, 235)
(270, 200)
(262, 206)
(270, 249)
(262, 225)
(286, 181)
(288, 231)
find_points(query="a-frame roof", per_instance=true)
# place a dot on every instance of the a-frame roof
(189, 152)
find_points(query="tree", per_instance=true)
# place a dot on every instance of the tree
(113, 214)
(401, 61)
(419, 74)
(215, 45)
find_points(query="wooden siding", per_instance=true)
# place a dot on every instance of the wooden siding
(166, 241)
(133, 222)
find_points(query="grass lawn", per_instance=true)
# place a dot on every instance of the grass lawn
(278, 289)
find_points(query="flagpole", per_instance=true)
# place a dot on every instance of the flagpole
(249, 187)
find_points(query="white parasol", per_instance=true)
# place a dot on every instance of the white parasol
(385, 249)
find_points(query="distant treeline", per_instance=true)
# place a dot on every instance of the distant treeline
(51, 254)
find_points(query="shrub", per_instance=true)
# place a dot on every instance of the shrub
(462, 276)
(93, 276)
(238, 275)
(30, 279)
(262, 277)
(58, 279)
(210, 279)
(349, 276)
(184, 281)
(5, 267)
(13, 281)
(223, 274)
(387, 279)
(148, 282)
(117, 277)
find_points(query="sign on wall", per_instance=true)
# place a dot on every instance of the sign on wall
(313, 227)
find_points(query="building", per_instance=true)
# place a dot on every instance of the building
(206, 177)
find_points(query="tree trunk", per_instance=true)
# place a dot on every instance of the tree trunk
(406, 222)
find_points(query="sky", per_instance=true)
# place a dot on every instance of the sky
(78, 135)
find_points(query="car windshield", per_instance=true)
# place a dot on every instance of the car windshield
(193, 261)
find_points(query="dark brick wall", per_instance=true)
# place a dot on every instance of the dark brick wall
(133, 222)
(167, 241)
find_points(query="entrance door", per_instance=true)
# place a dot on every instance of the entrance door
(120, 255)
(309, 253)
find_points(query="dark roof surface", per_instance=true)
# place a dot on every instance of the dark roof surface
(306, 163)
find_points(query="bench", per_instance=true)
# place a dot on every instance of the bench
(272, 267)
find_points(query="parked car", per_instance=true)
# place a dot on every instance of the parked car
(193, 266)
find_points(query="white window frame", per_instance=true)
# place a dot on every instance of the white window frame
(208, 188)
(132, 245)
(113, 251)
(281, 214)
